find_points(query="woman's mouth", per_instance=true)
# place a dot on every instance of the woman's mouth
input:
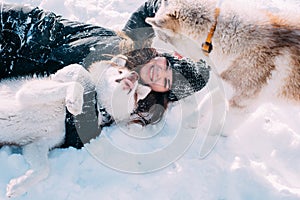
(152, 73)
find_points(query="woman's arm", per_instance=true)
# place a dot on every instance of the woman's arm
(34, 41)
(136, 27)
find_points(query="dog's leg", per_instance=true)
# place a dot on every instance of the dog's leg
(36, 154)
(291, 88)
(248, 74)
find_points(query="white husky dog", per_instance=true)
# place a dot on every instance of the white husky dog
(247, 42)
(32, 110)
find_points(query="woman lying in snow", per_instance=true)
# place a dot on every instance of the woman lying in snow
(37, 42)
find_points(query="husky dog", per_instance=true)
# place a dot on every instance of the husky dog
(247, 43)
(32, 110)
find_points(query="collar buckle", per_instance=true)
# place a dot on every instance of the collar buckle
(207, 47)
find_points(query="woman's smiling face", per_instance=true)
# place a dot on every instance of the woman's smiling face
(157, 73)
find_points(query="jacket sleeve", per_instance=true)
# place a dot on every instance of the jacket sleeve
(136, 27)
(34, 41)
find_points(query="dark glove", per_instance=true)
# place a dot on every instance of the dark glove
(137, 29)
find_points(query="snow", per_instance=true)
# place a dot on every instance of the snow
(258, 159)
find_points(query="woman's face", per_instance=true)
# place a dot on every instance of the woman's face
(157, 73)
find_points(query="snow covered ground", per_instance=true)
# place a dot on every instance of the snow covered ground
(259, 159)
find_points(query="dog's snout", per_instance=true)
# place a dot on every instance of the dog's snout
(133, 77)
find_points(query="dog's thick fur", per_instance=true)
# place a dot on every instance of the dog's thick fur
(246, 43)
(32, 110)
(32, 115)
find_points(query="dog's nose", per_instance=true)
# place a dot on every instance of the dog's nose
(130, 80)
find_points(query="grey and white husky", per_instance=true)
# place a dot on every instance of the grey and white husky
(247, 43)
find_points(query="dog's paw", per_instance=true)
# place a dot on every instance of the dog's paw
(74, 107)
(74, 99)
(15, 188)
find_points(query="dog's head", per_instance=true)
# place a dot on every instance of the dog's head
(183, 24)
(118, 90)
(166, 23)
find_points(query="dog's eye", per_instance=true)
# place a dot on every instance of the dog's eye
(120, 72)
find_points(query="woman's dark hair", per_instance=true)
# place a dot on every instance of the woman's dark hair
(139, 57)
(151, 109)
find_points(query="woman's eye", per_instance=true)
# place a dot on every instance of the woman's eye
(168, 65)
(169, 84)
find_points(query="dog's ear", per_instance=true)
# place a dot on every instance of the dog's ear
(169, 22)
(154, 22)
(162, 16)
(120, 60)
(142, 91)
